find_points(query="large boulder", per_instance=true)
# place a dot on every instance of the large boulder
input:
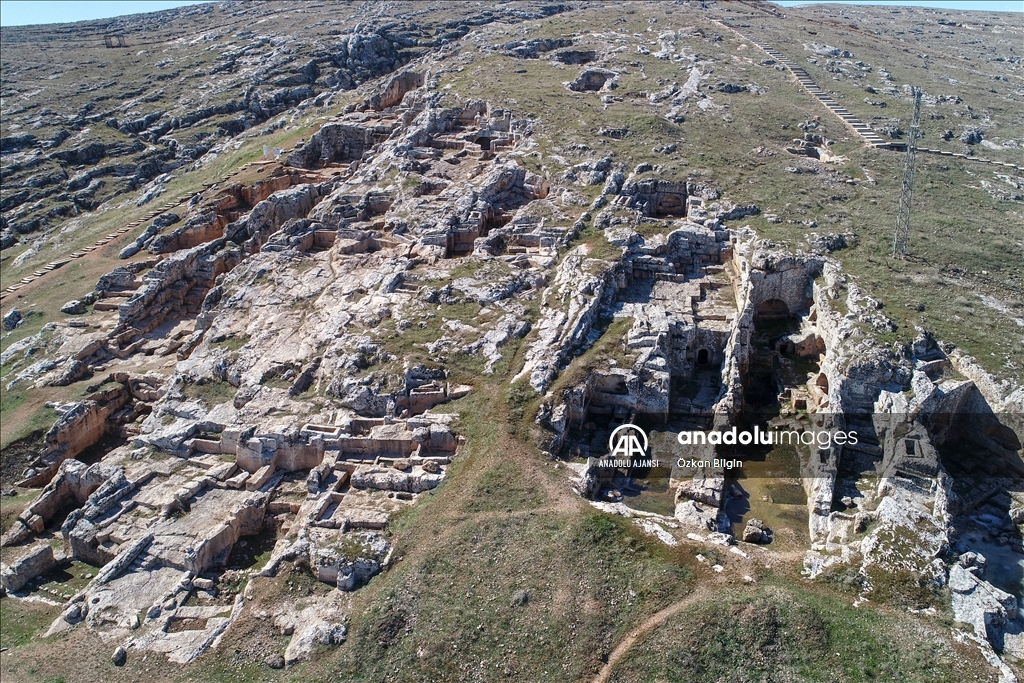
(971, 135)
(601, 80)
(11, 319)
(36, 561)
(977, 602)
(73, 307)
(756, 532)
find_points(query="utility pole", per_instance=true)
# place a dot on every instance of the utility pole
(902, 235)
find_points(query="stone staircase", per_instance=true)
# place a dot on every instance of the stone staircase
(859, 127)
(54, 265)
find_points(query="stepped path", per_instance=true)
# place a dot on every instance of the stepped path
(862, 129)
(859, 127)
(54, 265)
(943, 153)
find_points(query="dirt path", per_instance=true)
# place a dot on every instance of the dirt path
(701, 591)
(646, 626)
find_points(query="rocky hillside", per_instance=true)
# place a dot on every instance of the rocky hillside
(176, 83)
(321, 320)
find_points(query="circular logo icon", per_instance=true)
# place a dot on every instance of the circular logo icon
(625, 442)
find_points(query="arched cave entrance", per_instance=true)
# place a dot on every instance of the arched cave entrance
(772, 309)
(822, 382)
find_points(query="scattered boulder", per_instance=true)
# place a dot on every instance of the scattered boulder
(285, 625)
(891, 131)
(593, 80)
(756, 532)
(311, 632)
(861, 522)
(826, 244)
(73, 307)
(740, 211)
(728, 88)
(11, 319)
(203, 584)
(8, 239)
(977, 602)
(1017, 515)
(73, 614)
(38, 560)
(117, 279)
(119, 657)
(275, 661)
(588, 173)
(73, 371)
(532, 49)
(971, 135)
(719, 538)
(575, 56)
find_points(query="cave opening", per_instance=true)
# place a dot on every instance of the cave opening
(671, 205)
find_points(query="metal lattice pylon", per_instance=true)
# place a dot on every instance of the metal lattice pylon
(902, 235)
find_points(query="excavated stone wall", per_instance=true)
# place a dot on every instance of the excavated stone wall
(81, 426)
(334, 142)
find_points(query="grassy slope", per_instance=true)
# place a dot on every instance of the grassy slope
(505, 522)
(964, 243)
(782, 633)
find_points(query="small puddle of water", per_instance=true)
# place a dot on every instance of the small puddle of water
(773, 493)
(771, 484)
(1003, 567)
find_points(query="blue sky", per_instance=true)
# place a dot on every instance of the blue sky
(19, 12)
(982, 5)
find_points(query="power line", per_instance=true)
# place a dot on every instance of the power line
(901, 237)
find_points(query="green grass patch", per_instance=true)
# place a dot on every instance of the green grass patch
(905, 588)
(24, 620)
(775, 634)
(609, 346)
(212, 392)
(39, 421)
(67, 579)
(528, 594)
(598, 245)
(502, 488)
(233, 342)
